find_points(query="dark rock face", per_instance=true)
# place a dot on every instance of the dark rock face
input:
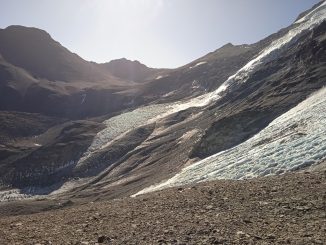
(231, 130)
(15, 125)
(17, 132)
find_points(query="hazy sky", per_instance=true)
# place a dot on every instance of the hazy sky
(159, 33)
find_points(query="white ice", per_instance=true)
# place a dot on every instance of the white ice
(159, 77)
(198, 64)
(295, 140)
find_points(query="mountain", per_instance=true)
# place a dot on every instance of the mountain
(39, 75)
(288, 69)
(45, 58)
(200, 76)
(133, 71)
(240, 112)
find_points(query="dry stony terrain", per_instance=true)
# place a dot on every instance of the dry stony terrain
(287, 209)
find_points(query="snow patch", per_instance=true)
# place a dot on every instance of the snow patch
(198, 64)
(159, 77)
(168, 94)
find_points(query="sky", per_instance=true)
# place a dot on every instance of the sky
(158, 33)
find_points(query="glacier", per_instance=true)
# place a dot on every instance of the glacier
(293, 141)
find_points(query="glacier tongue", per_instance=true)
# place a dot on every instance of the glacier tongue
(295, 140)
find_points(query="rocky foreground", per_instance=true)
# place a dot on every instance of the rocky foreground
(287, 209)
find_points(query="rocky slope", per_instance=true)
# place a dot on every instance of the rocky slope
(288, 209)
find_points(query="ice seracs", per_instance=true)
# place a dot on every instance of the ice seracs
(295, 140)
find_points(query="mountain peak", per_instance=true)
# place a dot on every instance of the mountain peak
(26, 30)
(126, 61)
(128, 69)
(38, 53)
(227, 45)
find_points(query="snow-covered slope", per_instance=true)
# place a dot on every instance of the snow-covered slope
(295, 140)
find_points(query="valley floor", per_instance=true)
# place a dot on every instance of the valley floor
(286, 209)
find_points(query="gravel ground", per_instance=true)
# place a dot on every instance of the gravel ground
(287, 209)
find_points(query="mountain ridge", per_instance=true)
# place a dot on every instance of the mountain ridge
(60, 79)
